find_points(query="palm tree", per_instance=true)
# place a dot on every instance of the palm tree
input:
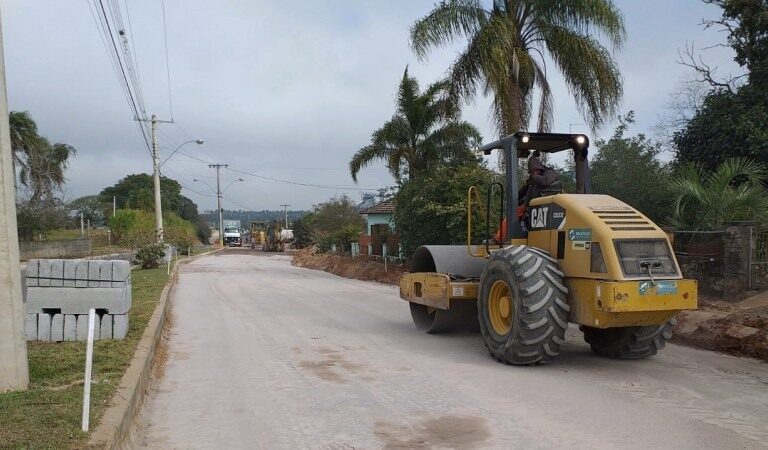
(24, 136)
(41, 165)
(43, 170)
(505, 53)
(706, 200)
(426, 131)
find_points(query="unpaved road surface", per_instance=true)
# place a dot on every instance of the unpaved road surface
(265, 355)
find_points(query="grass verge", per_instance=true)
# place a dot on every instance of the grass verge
(48, 414)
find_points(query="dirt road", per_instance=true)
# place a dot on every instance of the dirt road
(265, 355)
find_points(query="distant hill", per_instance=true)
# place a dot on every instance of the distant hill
(246, 217)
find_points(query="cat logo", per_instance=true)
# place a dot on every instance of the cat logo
(539, 217)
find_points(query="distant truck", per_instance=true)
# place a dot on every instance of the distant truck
(232, 235)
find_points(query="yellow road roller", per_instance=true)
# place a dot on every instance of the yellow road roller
(583, 258)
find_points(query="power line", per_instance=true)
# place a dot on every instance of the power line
(194, 157)
(167, 61)
(237, 204)
(298, 183)
(135, 99)
(133, 44)
(277, 180)
(185, 186)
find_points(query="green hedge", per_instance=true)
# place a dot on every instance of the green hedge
(136, 228)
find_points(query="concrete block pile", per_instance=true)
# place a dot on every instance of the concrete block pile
(60, 292)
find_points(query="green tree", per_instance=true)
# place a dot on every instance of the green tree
(729, 124)
(746, 22)
(332, 222)
(92, 207)
(302, 232)
(41, 165)
(43, 170)
(137, 191)
(433, 209)
(628, 168)
(333, 215)
(505, 52)
(706, 200)
(425, 132)
(732, 121)
(24, 136)
(37, 219)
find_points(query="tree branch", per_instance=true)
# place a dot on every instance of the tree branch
(688, 58)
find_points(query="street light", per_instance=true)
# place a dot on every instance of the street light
(230, 184)
(196, 141)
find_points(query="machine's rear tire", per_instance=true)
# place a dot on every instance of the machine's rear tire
(523, 306)
(462, 316)
(628, 342)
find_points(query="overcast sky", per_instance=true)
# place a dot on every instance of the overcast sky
(288, 90)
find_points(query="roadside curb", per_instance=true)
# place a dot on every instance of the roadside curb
(115, 424)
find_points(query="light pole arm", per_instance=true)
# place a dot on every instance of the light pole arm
(197, 141)
(230, 184)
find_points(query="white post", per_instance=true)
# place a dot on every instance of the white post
(82, 226)
(114, 205)
(88, 370)
(170, 258)
(158, 197)
(14, 373)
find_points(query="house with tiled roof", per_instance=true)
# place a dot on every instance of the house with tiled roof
(380, 238)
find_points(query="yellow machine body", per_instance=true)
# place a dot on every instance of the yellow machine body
(586, 234)
(258, 233)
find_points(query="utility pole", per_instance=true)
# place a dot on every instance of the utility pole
(286, 214)
(114, 205)
(14, 371)
(218, 200)
(156, 172)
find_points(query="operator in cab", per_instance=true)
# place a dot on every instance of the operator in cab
(540, 177)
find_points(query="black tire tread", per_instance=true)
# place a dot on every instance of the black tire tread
(629, 342)
(542, 315)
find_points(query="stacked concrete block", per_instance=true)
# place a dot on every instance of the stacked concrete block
(44, 327)
(70, 327)
(30, 327)
(60, 294)
(57, 327)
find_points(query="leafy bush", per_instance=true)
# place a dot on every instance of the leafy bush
(150, 256)
(179, 232)
(203, 230)
(707, 200)
(342, 238)
(36, 219)
(432, 209)
(302, 233)
(332, 222)
(136, 228)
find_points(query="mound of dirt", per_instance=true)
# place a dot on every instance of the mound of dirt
(359, 267)
(739, 329)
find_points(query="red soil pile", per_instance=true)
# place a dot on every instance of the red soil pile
(739, 329)
(359, 267)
